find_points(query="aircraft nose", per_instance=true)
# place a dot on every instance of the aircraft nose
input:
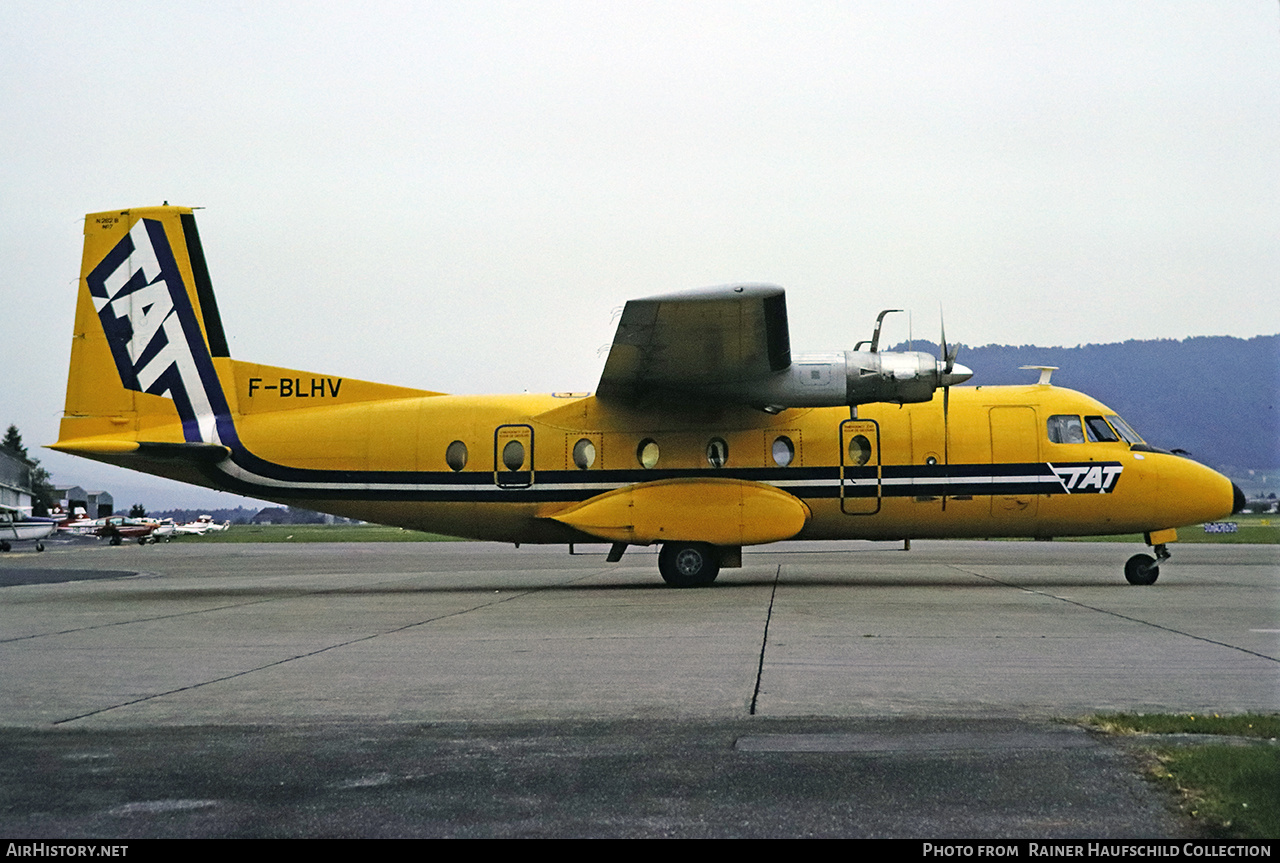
(958, 375)
(1238, 499)
(1191, 492)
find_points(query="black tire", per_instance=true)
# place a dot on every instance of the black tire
(1141, 569)
(4, 546)
(688, 564)
(39, 546)
(115, 540)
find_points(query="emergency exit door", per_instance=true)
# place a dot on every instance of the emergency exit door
(513, 456)
(860, 470)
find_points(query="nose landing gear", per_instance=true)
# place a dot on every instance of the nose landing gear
(1145, 569)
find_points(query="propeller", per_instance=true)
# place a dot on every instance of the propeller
(946, 360)
(947, 375)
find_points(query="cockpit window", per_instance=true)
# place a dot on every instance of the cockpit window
(1065, 428)
(1126, 431)
(1099, 431)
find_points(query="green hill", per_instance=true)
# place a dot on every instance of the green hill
(1218, 397)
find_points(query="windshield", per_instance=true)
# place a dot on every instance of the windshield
(1125, 430)
(1099, 430)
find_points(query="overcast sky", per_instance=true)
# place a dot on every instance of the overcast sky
(459, 196)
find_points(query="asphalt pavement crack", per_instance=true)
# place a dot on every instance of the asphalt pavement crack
(764, 640)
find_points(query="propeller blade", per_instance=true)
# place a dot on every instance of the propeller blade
(943, 356)
(947, 364)
(946, 425)
(949, 371)
(946, 356)
(946, 436)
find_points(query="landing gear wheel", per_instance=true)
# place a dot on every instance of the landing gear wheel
(688, 564)
(115, 540)
(4, 546)
(1141, 569)
(39, 546)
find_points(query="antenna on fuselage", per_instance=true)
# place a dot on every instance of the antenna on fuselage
(1046, 372)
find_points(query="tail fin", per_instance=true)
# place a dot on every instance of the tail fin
(151, 377)
(147, 336)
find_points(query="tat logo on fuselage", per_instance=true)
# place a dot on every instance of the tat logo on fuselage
(152, 329)
(1096, 478)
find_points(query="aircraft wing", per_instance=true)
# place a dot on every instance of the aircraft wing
(690, 341)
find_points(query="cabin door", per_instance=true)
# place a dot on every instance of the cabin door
(860, 470)
(513, 456)
(1015, 448)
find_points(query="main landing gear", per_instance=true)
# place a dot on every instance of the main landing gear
(5, 546)
(1145, 569)
(688, 564)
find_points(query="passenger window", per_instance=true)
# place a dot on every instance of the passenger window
(783, 451)
(584, 454)
(1099, 431)
(647, 453)
(859, 450)
(513, 455)
(717, 452)
(1065, 428)
(456, 455)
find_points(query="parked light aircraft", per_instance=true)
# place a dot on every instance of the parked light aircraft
(16, 526)
(117, 528)
(705, 434)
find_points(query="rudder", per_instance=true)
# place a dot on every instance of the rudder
(147, 333)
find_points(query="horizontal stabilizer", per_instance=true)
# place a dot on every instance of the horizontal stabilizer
(196, 452)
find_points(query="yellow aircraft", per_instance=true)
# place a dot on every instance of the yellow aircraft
(706, 434)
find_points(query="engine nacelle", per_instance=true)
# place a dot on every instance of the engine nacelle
(848, 378)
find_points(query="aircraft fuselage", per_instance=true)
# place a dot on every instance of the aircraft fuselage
(706, 433)
(990, 471)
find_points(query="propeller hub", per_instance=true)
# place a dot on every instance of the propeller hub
(958, 374)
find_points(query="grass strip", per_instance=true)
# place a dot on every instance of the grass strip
(1265, 726)
(1231, 790)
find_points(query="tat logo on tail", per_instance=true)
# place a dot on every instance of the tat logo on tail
(152, 330)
